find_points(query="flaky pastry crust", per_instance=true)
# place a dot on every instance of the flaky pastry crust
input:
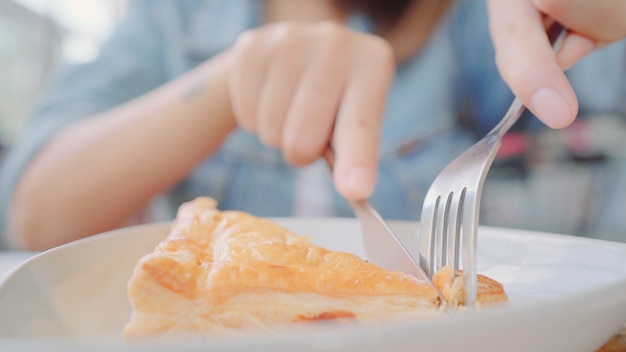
(228, 270)
(452, 287)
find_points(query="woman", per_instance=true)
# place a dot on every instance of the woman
(213, 97)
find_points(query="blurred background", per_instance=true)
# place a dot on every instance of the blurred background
(584, 164)
(36, 35)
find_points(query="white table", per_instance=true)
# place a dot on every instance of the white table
(9, 261)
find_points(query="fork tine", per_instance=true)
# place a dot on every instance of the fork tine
(435, 237)
(454, 229)
(442, 233)
(469, 228)
(426, 234)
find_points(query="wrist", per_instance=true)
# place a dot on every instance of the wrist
(204, 93)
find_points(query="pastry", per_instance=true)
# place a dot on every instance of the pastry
(488, 291)
(222, 271)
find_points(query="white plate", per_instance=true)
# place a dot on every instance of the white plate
(567, 294)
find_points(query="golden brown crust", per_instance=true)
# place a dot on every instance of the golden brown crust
(332, 315)
(615, 344)
(489, 291)
(230, 270)
(211, 259)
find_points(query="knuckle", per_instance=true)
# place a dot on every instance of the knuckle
(379, 44)
(283, 30)
(512, 71)
(286, 38)
(361, 128)
(286, 30)
(329, 29)
(380, 52)
(334, 38)
(246, 40)
(319, 90)
(512, 33)
(361, 123)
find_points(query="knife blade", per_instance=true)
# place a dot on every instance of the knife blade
(385, 249)
(382, 245)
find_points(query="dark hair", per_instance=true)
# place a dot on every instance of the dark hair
(383, 13)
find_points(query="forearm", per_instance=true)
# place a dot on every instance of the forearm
(97, 173)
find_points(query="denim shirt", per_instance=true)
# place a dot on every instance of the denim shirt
(446, 91)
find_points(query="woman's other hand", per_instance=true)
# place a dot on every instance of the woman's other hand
(300, 86)
(526, 60)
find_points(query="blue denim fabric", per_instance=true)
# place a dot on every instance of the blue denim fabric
(454, 75)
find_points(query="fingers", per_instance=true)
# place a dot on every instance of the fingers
(247, 77)
(277, 93)
(525, 60)
(574, 48)
(602, 21)
(313, 110)
(591, 25)
(528, 63)
(309, 126)
(358, 127)
(297, 85)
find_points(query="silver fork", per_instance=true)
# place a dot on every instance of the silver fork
(450, 213)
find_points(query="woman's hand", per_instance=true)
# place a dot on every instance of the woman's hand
(299, 86)
(526, 60)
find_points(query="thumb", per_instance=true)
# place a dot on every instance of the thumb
(528, 64)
